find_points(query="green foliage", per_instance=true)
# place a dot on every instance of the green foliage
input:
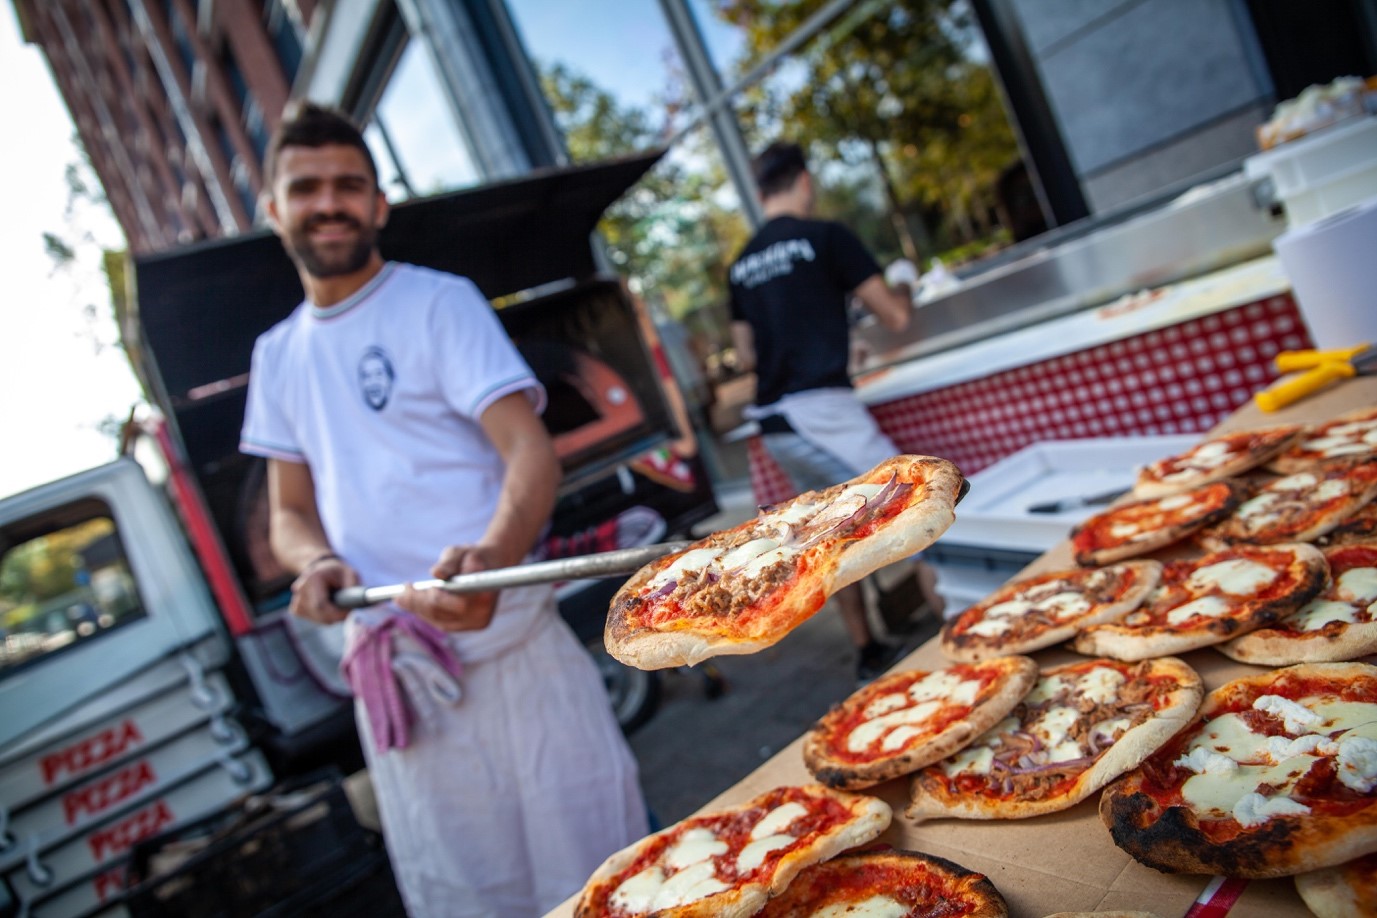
(669, 234)
(890, 89)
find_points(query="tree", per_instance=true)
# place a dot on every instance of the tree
(669, 234)
(891, 88)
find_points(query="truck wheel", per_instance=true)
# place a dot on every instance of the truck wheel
(634, 693)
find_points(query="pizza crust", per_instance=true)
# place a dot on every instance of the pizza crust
(869, 816)
(819, 746)
(970, 648)
(829, 568)
(1345, 891)
(1171, 839)
(931, 800)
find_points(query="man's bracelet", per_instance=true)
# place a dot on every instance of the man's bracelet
(328, 556)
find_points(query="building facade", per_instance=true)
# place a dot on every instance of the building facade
(1107, 103)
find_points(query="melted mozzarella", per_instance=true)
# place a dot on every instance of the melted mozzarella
(754, 854)
(1317, 613)
(973, 759)
(881, 706)
(1303, 481)
(637, 893)
(693, 560)
(1220, 793)
(1356, 763)
(1253, 809)
(991, 627)
(1046, 688)
(1257, 506)
(1175, 502)
(1331, 490)
(1238, 576)
(1358, 584)
(759, 563)
(744, 553)
(694, 847)
(1064, 605)
(1209, 606)
(1054, 724)
(1203, 761)
(778, 819)
(1108, 730)
(874, 907)
(1294, 716)
(1281, 748)
(1009, 609)
(1123, 530)
(1101, 684)
(868, 732)
(947, 685)
(689, 885)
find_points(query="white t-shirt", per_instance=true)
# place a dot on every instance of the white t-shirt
(381, 396)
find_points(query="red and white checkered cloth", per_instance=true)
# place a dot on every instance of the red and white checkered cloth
(1179, 379)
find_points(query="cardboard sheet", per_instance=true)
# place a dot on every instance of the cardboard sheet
(1067, 861)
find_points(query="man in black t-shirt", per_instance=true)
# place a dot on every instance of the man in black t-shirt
(789, 292)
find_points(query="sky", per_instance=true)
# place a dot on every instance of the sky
(60, 373)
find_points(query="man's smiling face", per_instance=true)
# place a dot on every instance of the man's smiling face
(327, 208)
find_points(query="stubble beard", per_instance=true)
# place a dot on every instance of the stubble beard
(329, 262)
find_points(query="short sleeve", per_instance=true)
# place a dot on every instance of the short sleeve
(851, 260)
(477, 363)
(266, 431)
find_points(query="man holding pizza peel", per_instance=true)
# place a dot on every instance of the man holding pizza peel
(402, 436)
(789, 292)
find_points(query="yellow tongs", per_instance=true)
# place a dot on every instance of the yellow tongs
(1320, 369)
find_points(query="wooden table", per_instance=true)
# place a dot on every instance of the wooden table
(1067, 861)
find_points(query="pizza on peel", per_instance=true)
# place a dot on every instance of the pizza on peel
(1337, 625)
(888, 884)
(1215, 459)
(1046, 609)
(1082, 725)
(730, 862)
(1210, 599)
(1145, 525)
(903, 721)
(1277, 775)
(743, 589)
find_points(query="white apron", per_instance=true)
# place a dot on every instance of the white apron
(511, 793)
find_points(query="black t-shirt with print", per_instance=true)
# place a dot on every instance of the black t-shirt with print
(790, 284)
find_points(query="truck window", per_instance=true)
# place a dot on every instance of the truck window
(64, 579)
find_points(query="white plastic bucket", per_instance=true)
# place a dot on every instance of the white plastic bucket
(1332, 264)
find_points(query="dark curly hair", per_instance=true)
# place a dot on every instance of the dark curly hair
(306, 124)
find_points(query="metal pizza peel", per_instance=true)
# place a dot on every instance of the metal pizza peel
(583, 567)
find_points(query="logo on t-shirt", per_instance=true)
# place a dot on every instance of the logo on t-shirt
(771, 262)
(376, 377)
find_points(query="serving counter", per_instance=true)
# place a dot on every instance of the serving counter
(1067, 861)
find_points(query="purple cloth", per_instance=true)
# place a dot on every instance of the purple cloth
(367, 665)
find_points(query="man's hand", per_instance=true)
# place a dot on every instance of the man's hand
(313, 588)
(455, 611)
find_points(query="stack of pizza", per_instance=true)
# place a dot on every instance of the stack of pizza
(1261, 544)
